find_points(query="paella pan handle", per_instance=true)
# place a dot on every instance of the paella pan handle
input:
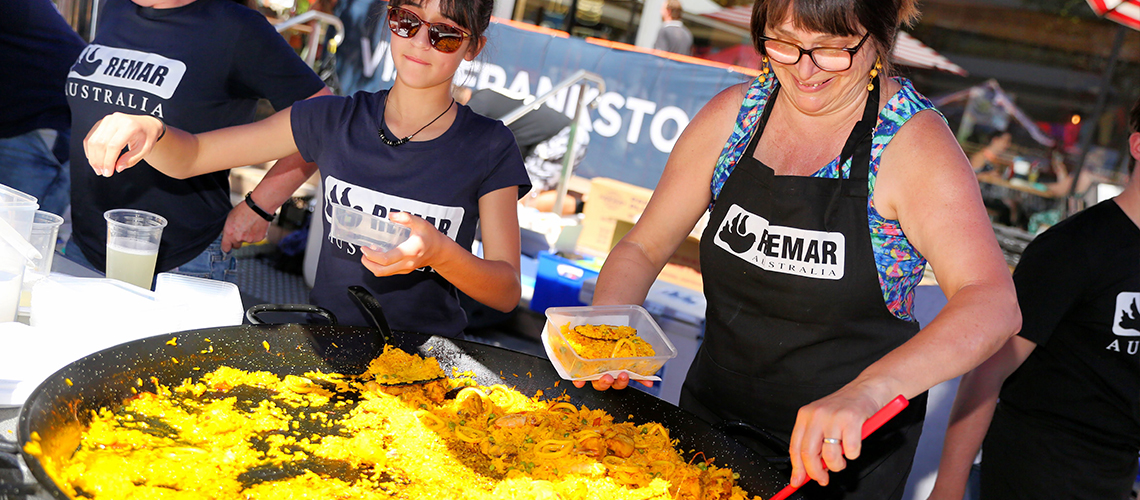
(372, 310)
(18, 489)
(740, 428)
(9, 447)
(252, 314)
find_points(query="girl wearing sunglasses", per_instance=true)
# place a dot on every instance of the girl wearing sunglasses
(410, 154)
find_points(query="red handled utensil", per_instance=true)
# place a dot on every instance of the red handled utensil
(871, 425)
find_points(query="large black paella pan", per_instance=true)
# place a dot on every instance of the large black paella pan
(59, 409)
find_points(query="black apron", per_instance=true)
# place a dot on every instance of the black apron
(795, 309)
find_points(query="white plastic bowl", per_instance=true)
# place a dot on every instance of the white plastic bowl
(571, 366)
(366, 230)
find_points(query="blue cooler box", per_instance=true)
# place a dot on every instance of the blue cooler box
(558, 282)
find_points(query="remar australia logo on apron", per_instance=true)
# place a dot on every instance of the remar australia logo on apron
(788, 250)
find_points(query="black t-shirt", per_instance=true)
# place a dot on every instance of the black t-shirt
(1078, 285)
(199, 67)
(440, 180)
(36, 48)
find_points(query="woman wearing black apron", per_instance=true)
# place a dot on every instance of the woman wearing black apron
(809, 272)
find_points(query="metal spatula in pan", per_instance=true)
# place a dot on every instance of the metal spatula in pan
(375, 313)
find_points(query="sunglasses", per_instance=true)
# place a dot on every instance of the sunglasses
(443, 37)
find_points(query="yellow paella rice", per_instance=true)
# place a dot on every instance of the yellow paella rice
(394, 367)
(234, 434)
(606, 341)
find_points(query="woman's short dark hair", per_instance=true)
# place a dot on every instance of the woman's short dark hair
(472, 15)
(881, 18)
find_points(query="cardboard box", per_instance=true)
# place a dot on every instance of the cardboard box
(610, 201)
(611, 211)
(684, 266)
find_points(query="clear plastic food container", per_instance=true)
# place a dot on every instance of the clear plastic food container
(571, 366)
(366, 230)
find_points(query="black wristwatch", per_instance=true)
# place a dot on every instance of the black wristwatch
(256, 209)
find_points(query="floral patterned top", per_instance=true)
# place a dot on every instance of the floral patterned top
(900, 265)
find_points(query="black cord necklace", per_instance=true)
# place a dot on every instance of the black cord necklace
(398, 142)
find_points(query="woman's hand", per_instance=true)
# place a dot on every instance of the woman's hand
(105, 141)
(608, 382)
(839, 416)
(418, 251)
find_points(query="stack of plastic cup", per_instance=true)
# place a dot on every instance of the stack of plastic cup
(17, 210)
(45, 229)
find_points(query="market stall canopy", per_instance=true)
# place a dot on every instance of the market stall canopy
(1126, 12)
(700, 7)
(909, 51)
(992, 93)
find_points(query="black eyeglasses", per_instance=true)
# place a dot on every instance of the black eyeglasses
(826, 58)
(444, 37)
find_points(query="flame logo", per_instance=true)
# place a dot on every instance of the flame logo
(87, 63)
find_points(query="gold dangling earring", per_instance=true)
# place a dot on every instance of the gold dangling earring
(764, 69)
(874, 73)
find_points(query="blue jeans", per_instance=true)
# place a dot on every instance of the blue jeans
(27, 164)
(212, 263)
(72, 252)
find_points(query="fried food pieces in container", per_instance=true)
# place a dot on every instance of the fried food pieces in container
(606, 341)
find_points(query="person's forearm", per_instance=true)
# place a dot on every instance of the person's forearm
(626, 276)
(182, 155)
(976, 321)
(971, 415)
(970, 418)
(281, 181)
(175, 154)
(494, 283)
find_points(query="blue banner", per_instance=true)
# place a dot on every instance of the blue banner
(648, 100)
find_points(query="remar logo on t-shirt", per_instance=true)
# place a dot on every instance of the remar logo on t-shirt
(129, 69)
(1126, 322)
(788, 250)
(448, 220)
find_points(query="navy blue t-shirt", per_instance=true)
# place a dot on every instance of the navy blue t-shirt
(199, 67)
(36, 48)
(440, 180)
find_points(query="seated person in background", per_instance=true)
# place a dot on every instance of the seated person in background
(1002, 210)
(985, 159)
(1063, 182)
(1066, 423)
(542, 136)
(544, 166)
